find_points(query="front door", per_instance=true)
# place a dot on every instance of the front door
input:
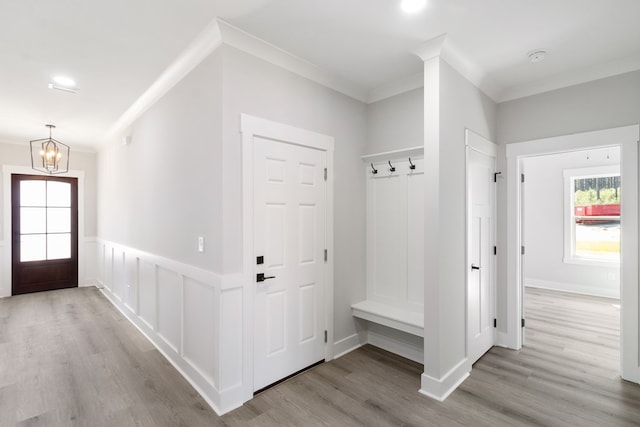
(480, 242)
(289, 242)
(44, 215)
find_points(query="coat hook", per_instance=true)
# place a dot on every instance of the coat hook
(391, 168)
(374, 170)
(411, 165)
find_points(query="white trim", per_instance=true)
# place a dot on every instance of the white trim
(392, 344)
(202, 46)
(627, 138)
(349, 344)
(440, 389)
(570, 78)
(259, 48)
(396, 87)
(417, 152)
(251, 127)
(7, 171)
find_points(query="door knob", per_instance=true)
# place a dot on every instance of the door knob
(474, 267)
(260, 277)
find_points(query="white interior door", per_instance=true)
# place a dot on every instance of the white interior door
(480, 243)
(289, 233)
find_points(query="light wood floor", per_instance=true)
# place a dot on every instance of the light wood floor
(69, 358)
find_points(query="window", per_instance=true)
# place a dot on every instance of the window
(592, 215)
(45, 220)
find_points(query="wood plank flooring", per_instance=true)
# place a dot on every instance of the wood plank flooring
(68, 358)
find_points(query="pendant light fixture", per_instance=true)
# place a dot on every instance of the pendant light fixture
(49, 156)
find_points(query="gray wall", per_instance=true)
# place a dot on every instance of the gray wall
(544, 213)
(181, 175)
(164, 189)
(18, 155)
(600, 104)
(396, 123)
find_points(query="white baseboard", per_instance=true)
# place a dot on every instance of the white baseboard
(440, 389)
(574, 288)
(348, 344)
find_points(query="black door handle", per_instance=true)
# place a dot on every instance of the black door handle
(475, 267)
(260, 277)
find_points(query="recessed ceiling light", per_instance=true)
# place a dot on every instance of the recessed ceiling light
(413, 6)
(537, 55)
(64, 81)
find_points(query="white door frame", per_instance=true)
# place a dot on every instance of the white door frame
(251, 127)
(627, 138)
(6, 267)
(474, 141)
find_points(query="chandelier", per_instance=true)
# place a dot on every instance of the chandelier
(49, 156)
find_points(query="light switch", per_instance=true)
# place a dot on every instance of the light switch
(200, 243)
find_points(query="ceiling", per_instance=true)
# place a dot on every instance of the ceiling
(116, 49)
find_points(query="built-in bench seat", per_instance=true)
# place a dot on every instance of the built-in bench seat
(391, 316)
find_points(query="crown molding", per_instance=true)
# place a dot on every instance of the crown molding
(208, 40)
(266, 51)
(572, 78)
(396, 87)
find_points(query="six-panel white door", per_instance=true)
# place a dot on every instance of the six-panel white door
(289, 233)
(480, 241)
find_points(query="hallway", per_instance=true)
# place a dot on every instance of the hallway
(69, 358)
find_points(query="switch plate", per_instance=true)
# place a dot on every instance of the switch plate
(200, 243)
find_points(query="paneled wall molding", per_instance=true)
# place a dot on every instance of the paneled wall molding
(192, 316)
(395, 243)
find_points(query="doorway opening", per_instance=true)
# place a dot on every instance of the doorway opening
(626, 138)
(570, 204)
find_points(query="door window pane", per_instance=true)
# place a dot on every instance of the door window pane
(33, 193)
(33, 247)
(33, 220)
(58, 246)
(58, 220)
(58, 194)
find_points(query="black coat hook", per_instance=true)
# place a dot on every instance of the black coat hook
(411, 165)
(391, 168)
(373, 170)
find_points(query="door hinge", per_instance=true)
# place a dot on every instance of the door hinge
(521, 250)
(325, 336)
(495, 176)
(522, 323)
(495, 250)
(521, 177)
(325, 174)
(495, 323)
(326, 255)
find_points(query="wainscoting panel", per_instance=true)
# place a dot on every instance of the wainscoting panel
(200, 325)
(147, 308)
(186, 312)
(169, 307)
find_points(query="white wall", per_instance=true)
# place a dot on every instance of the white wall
(396, 123)
(544, 225)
